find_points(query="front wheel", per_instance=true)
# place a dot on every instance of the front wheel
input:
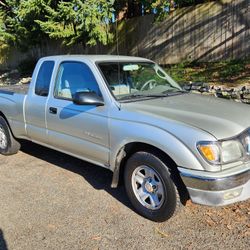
(149, 186)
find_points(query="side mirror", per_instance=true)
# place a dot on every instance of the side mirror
(87, 98)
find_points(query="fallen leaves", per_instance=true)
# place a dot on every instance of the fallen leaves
(161, 233)
(229, 217)
(229, 226)
(210, 222)
(96, 237)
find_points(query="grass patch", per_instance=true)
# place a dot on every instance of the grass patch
(232, 72)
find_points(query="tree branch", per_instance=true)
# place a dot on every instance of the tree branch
(3, 4)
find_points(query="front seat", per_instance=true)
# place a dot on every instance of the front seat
(66, 92)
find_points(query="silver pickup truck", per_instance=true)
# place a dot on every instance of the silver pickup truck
(128, 115)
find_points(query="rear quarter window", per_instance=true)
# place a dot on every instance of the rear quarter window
(44, 78)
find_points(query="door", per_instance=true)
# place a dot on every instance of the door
(81, 130)
(35, 106)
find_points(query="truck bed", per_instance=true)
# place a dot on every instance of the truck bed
(11, 89)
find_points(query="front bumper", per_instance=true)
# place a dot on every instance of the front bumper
(217, 191)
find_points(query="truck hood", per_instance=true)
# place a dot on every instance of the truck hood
(219, 117)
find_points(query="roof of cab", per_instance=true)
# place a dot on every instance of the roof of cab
(95, 58)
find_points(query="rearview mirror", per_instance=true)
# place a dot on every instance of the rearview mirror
(130, 67)
(87, 98)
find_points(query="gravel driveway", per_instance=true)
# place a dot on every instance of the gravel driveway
(49, 200)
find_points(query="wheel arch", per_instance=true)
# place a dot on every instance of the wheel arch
(132, 147)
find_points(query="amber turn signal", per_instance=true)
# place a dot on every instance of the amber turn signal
(210, 152)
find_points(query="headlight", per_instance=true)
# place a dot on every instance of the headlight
(231, 151)
(221, 152)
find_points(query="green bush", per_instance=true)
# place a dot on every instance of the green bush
(208, 72)
(232, 68)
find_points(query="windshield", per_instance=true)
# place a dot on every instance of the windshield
(128, 80)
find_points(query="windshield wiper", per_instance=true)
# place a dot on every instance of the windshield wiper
(142, 96)
(174, 92)
(157, 95)
(131, 96)
(163, 94)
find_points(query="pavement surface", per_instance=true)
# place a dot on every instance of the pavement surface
(49, 200)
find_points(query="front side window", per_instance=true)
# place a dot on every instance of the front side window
(74, 77)
(43, 78)
(129, 80)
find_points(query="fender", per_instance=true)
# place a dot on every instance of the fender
(153, 136)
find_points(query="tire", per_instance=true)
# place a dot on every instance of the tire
(150, 188)
(8, 144)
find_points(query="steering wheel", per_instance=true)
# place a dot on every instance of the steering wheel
(149, 84)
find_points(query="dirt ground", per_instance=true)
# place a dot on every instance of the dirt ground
(49, 200)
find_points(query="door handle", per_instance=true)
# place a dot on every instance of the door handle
(53, 110)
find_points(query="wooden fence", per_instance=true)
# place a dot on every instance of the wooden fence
(213, 31)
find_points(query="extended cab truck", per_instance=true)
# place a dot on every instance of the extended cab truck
(126, 114)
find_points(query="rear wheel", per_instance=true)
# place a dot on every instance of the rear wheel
(149, 186)
(8, 144)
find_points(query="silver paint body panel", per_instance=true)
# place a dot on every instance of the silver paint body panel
(173, 124)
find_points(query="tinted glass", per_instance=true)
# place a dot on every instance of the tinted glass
(75, 77)
(43, 78)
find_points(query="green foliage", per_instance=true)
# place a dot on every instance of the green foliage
(231, 71)
(179, 71)
(27, 23)
(133, 8)
(232, 68)
(17, 25)
(79, 21)
(159, 7)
